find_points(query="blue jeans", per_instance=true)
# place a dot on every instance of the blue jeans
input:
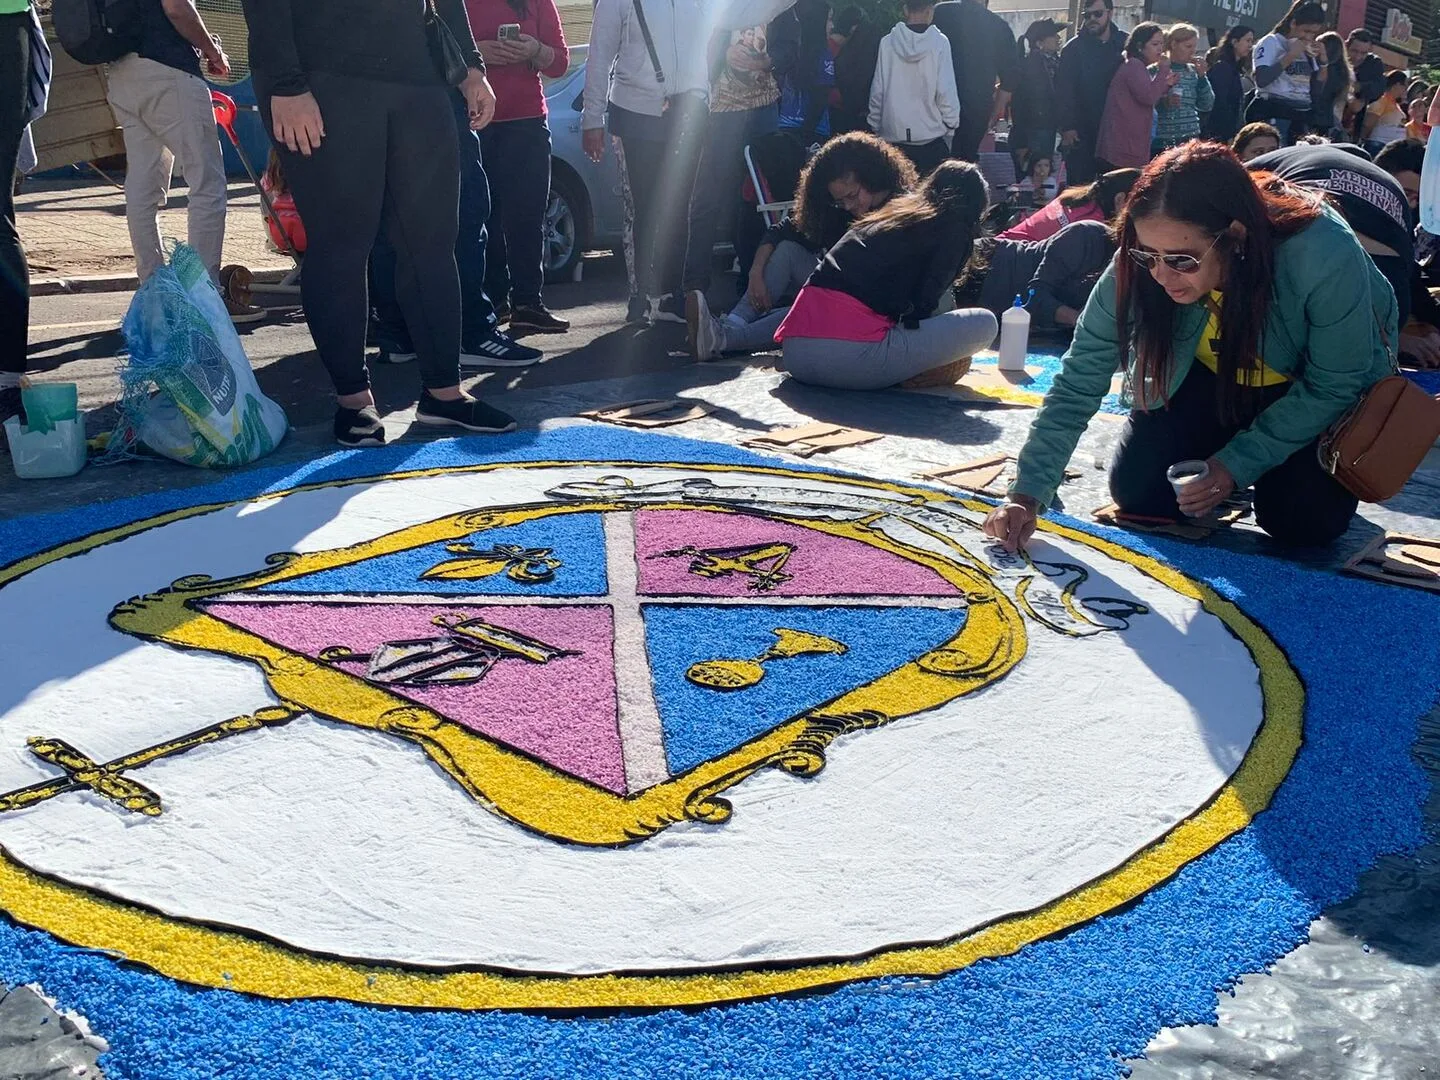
(476, 311)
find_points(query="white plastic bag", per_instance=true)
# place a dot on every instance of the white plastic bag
(208, 410)
(1430, 187)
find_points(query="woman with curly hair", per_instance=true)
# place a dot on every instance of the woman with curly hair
(876, 312)
(851, 176)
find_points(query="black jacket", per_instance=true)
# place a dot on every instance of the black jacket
(383, 40)
(1062, 270)
(1228, 115)
(982, 49)
(898, 273)
(1033, 107)
(1087, 65)
(855, 67)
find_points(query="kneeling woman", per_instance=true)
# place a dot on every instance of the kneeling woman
(866, 318)
(1233, 308)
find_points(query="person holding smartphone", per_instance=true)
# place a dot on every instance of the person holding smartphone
(521, 40)
(1286, 59)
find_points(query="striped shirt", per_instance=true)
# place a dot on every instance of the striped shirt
(1175, 124)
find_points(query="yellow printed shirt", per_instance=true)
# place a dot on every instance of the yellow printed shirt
(1208, 349)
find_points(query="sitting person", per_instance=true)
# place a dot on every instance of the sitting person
(1055, 276)
(1040, 185)
(1255, 139)
(1098, 201)
(851, 176)
(1247, 319)
(867, 318)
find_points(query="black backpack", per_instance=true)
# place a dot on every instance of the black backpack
(97, 31)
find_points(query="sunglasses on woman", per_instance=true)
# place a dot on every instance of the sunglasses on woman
(1181, 264)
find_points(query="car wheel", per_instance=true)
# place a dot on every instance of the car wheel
(564, 227)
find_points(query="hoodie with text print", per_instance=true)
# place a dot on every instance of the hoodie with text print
(913, 98)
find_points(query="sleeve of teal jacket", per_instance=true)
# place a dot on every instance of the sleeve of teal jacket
(1085, 375)
(1345, 351)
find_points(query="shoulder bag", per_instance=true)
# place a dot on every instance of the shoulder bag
(1376, 446)
(444, 49)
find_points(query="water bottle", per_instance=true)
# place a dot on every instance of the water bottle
(1014, 336)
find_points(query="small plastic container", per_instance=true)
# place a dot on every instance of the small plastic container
(1183, 473)
(45, 455)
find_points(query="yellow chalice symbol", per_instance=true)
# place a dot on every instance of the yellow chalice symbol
(743, 674)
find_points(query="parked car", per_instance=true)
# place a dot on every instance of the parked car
(586, 209)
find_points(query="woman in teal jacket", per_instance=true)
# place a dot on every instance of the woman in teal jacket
(1253, 319)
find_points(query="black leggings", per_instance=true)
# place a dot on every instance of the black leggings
(390, 155)
(14, 274)
(1296, 502)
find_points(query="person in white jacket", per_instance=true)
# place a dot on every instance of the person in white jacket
(657, 108)
(914, 103)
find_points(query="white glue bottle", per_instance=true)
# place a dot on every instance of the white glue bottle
(1014, 336)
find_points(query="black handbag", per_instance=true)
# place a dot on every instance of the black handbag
(444, 49)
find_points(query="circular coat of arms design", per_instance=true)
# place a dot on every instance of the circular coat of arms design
(558, 735)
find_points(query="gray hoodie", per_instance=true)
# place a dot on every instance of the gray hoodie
(913, 97)
(618, 66)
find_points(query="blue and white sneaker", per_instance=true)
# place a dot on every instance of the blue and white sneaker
(498, 349)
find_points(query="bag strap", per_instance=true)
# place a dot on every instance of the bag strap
(649, 41)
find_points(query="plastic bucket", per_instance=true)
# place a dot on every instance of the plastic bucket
(43, 455)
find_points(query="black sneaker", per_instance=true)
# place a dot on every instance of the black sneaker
(498, 349)
(537, 318)
(667, 308)
(502, 312)
(359, 427)
(394, 354)
(637, 310)
(463, 412)
(10, 406)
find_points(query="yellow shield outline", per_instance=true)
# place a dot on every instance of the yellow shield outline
(538, 796)
(231, 959)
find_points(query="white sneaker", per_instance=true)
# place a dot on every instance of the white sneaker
(706, 333)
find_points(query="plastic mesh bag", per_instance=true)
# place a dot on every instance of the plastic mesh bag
(206, 408)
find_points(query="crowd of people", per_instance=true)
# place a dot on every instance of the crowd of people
(1212, 197)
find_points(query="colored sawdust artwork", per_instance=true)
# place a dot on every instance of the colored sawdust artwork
(603, 754)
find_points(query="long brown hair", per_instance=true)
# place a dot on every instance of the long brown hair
(954, 188)
(1204, 185)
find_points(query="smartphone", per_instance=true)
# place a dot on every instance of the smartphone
(508, 32)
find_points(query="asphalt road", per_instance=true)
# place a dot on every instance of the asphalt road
(76, 338)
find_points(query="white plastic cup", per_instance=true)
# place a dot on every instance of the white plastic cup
(1183, 473)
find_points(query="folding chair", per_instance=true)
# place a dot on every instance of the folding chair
(769, 208)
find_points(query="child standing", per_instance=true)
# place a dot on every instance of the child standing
(1177, 117)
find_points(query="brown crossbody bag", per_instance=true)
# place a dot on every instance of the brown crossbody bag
(1381, 440)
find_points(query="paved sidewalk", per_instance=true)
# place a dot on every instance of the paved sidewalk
(75, 228)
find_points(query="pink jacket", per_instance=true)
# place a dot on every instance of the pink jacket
(1051, 218)
(1126, 126)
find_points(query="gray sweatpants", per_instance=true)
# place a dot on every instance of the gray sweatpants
(901, 354)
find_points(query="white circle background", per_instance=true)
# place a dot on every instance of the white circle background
(353, 843)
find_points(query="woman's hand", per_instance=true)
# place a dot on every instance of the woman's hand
(529, 47)
(1013, 523)
(479, 98)
(1296, 49)
(758, 294)
(297, 121)
(592, 141)
(503, 53)
(1199, 497)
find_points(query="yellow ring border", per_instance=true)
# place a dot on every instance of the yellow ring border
(232, 960)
